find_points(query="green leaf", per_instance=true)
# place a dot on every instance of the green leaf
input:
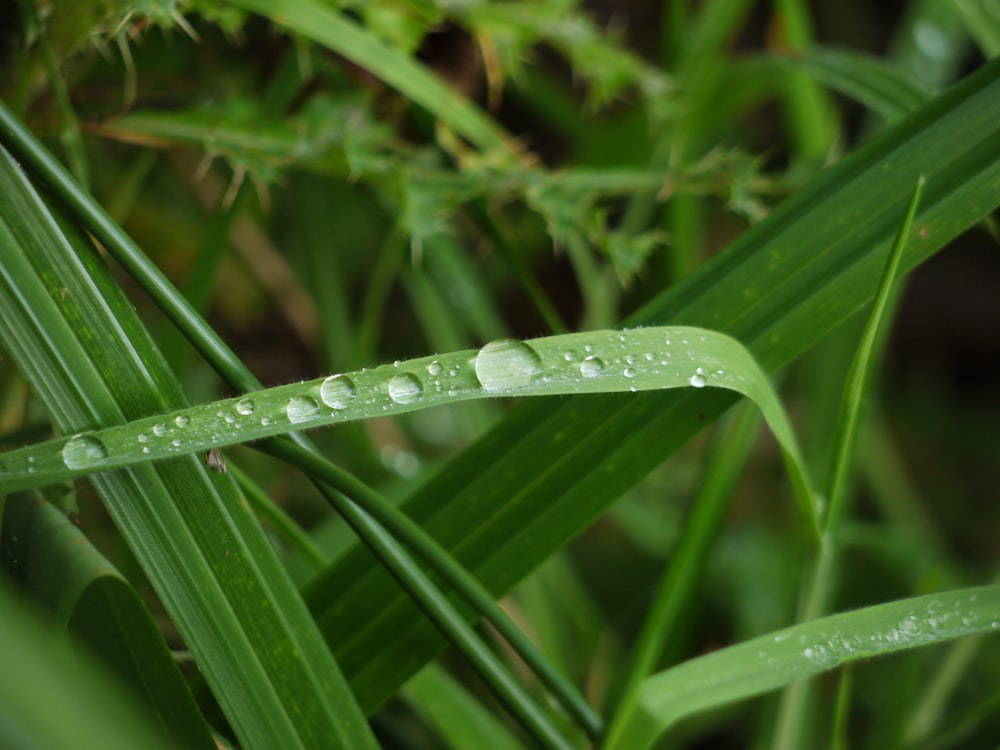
(81, 591)
(78, 696)
(780, 658)
(642, 359)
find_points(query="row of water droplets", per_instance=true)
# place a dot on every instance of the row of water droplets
(937, 622)
(506, 365)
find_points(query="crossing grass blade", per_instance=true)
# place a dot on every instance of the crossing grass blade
(65, 577)
(76, 339)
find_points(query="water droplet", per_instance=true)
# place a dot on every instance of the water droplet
(177, 443)
(302, 408)
(507, 363)
(570, 356)
(83, 452)
(143, 438)
(338, 391)
(160, 429)
(909, 626)
(434, 369)
(245, 407)
(405, 388)
(629, 372)
(698, 379)
(182, 421)
(591, 367)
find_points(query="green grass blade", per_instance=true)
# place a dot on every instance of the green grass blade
(77, 698)
(677, 584)
(459, 719)
(780, 658)
(793, 711)
(345, 37)
(76, 339)
(61, 573)
(642, 359)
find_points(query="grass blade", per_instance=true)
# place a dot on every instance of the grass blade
(643, 359)
(777, 659)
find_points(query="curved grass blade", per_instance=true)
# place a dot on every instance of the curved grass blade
(783, 657)
(641, 359)
(63, 574)
(70, 698)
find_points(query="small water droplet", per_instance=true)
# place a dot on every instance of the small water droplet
(244, 407)
(182, 421)
(177, 443)
(570, 356)
(143, 437)
(406, 388)
(591, 367)
(265, 421)
(83, 452)
(338, 391)
(629, 372)
(909, 626)
(698, 379)
(160, 429)
(507, 363)
(434, 369)
(302, 408)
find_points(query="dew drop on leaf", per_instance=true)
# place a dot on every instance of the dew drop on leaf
(507, 363)
(182, 421)
(406, 388)
(698, 379)
(83, 452)
(244, 407)
(591, 367)
(338, 391)
(302, 408)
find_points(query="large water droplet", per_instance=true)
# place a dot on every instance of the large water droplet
(507, 363)
(160, 429)
(698, 379)
(591, 367)
(244, 407)
(302, 408)
(83, 452)
(337, 392)
(406, 388)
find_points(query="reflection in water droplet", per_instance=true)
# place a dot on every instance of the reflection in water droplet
(698, 379)
(337, 392)
(406, 388)
(591, 367)
(83, 452)
(507, 363)
(182, 421)
(245, 407)
(302, 408)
